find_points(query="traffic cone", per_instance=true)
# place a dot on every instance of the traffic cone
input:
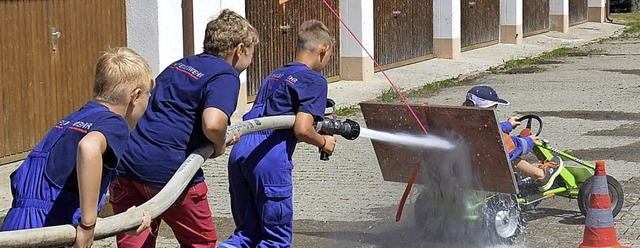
(599, 230)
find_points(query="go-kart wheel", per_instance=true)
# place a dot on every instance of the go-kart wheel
(615, 194)
(529, 119)
(502, 219)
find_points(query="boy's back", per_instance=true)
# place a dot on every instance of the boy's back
(54, 160)
(184, 90)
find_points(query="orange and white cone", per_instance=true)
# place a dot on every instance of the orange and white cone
(599, 230)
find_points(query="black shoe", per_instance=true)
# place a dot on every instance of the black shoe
(552, 169)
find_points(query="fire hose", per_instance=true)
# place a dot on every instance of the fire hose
(64, 235)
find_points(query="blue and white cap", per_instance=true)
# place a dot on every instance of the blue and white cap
(484, 96)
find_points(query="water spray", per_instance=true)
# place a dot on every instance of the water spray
(348, 129)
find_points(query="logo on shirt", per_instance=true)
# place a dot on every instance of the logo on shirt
(79, 126)
(290, 79)
(187, 69)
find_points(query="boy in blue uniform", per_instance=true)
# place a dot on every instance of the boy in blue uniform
(64, 179)
(545, 173)
(260, 164)
(191, 106)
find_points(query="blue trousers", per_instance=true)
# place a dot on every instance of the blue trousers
(261, 189)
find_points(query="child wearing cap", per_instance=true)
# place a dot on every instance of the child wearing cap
(545, 173)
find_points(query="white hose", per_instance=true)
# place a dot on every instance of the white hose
(65, 235)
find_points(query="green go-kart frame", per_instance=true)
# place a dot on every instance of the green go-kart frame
(501, 214)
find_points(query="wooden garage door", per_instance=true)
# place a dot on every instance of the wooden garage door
(45, 77)
(403, 31)
(278, 29)
(480, 23)
(578, 10)
(535, 17)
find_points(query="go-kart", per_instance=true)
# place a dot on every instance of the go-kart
(499, 215)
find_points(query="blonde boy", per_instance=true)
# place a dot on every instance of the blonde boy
(64, 179)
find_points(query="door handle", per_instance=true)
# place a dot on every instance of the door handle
(285, 27)
(55, 34)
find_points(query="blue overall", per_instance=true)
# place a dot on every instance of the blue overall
(260, 181)
(522, 145)
(47, 195)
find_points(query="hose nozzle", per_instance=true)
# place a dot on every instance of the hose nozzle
(348, 129)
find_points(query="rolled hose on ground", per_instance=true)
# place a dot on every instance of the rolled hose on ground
(65, 235)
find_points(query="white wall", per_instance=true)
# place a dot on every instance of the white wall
(358, 15)
(558, 7)
(446, 19)
(142, 31)
(207, 10)
(597, 3)
(511, 12)
(154, 27)
(170, 35)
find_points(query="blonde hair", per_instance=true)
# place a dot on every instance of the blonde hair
(119, 71)
(225, 32)
(313, 34)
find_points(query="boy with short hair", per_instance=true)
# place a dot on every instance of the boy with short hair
(191, 106)
(546, 172)
(260, 181)
(64, 179)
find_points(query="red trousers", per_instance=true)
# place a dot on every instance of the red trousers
(189, 217)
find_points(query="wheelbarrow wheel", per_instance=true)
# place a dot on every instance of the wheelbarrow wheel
(502, 219)
(615, 194)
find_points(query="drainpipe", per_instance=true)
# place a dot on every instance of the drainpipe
(187, 27)
(608, 11)
(65, 235)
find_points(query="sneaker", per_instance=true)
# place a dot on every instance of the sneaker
(552, 169)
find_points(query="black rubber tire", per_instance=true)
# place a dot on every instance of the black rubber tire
(502, 219)
(616, 194)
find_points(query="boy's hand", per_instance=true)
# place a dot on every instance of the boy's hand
(218, 152)
(146, 222)
(234, 140)
(330, 144)
(84, 238)
(534, 138)
(514, 121)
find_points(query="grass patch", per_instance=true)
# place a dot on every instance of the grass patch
(346, 111)
(434, 88)
(526, 70)
(513, 64)
(632, 20)
(388, 95)
(427, 90)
